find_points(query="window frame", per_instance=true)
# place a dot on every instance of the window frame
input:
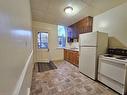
(40, 40)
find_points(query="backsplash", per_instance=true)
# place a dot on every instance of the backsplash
(75, 44)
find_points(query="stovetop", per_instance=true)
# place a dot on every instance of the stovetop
(116, 56)
(117, 53)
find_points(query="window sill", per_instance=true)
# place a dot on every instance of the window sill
(60, 47)
(42, 48)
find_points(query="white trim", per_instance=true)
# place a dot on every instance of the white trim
(21, 78)
(43, 61)
(28, 91)
(60, 47)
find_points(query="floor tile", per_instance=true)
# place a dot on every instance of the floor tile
(66, 80)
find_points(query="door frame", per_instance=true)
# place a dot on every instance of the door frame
(41, 50)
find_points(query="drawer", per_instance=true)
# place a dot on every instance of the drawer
(112, 70)
(112, 84)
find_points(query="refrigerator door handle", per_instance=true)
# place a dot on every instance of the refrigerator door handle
(79, 51)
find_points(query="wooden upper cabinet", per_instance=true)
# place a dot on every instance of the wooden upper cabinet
(87, 24)
(83, 26)
(75, 32)
(70, 34)
(80, 26)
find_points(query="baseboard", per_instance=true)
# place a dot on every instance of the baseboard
(42, 61)
(22, 76)
(28, 91)
(59, 60)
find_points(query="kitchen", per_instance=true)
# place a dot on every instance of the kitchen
(63, 47)
(108, 29)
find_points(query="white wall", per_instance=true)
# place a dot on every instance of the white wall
(15, 43)
(55, 52)
(114, 22)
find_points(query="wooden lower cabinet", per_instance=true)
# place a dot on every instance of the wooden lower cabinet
(65, 54)
(71, 56)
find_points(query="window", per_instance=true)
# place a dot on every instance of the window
(42, 40)
(61, 36)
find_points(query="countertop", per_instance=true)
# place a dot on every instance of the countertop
(73, 49)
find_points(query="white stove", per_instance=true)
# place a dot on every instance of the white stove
(115, 58)
(112, 71)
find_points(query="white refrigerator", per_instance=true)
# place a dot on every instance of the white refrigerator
(91, 45)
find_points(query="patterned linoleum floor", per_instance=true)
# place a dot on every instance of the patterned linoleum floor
(66, 80)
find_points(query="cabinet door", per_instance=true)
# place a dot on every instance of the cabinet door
(89, 24)
(71, 57)
(65, 54)
(68, 55)
(69, 34)
(72, 32)
(77, 58)
(86, 25)
(75, 31)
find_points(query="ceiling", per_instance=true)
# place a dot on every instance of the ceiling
(52, 11)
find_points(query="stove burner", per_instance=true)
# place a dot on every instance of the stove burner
(122, 58)
(117, 51)
(108, 55)
(116, 56)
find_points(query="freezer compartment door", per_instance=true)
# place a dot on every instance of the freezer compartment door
(88, 39)
(87, 61)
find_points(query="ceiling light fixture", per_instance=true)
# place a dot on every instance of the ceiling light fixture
(68, 10)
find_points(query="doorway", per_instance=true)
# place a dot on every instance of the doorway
(42, 47)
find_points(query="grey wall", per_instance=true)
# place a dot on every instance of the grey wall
(15, 44)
